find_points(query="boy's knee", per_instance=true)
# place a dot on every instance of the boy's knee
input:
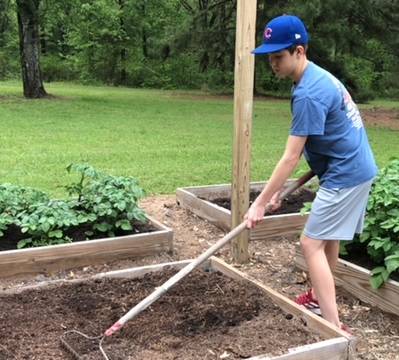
(310, 245)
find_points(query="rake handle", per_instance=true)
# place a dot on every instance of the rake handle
(195, 263)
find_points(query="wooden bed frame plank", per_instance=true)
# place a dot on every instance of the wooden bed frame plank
(217, 215)
(83, 253)
(332, 349)
(314, 322)
(276, 225)
(270, 227)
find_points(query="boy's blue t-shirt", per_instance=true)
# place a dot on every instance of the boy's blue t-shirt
(337, 148)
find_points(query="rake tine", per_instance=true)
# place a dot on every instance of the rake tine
(73, 352)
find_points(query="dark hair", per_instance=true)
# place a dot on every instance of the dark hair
(292, 49)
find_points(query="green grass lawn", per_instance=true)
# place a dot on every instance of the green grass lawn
(166, 139)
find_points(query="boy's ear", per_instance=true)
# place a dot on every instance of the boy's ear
(300, 50)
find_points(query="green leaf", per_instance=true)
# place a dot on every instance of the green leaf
(24, 243)
(376, 281)
(45, 227)
(126, 225)
(342, 247)
(378, 276)
(378, 270)
(56, 234)
(103, 227)
(392, 263)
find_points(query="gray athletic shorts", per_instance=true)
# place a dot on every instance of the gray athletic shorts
(337, 214)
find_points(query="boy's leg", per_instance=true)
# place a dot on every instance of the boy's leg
(321, 276)
(335, 214)
(332, 252)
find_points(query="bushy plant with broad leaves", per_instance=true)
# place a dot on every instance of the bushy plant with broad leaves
(111, 200)
(381, 231)
(47, 223)
(5, 221)
(98, 204)
(14, 200)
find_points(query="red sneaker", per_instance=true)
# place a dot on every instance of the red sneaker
(309, 302)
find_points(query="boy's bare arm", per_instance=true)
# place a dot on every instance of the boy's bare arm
(281, 173)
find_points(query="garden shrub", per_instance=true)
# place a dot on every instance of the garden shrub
(14, 200)
(109, 202)
(381, 231)
(47, 223)
(99, 204)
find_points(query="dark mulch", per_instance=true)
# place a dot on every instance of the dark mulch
(203, 317)
(291, 204)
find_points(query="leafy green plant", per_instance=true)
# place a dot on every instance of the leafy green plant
(111, 200)
(14, 200)
(86, 172)
(381, 231)
(46, 223)
(5, 221)
(98, 203)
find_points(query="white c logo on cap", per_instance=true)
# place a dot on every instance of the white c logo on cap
(268, 33)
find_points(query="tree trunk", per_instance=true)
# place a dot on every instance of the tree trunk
(29, 48)
(144, 31)
(123, 50)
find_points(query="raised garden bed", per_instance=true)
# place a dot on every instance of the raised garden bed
(356, 280)
(203, 201)
(218, 313)
(83, 253)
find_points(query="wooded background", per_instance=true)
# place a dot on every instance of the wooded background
(189, 44)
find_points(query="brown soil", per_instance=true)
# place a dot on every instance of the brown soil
(387, 118)
(202, 317)
(291, 204)
(271, 262)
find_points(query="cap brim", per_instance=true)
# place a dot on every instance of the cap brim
(269, 48)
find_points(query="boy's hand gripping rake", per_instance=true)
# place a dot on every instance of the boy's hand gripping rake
(174, 279)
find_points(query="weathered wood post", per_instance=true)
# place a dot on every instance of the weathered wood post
(243, 104)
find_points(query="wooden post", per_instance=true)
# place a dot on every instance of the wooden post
(243, 103)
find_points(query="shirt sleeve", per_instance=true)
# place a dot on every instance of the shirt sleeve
(308, 117)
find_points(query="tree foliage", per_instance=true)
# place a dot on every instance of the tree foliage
(9, 64)
(190, 43)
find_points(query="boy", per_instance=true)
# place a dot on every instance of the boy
(327, 128)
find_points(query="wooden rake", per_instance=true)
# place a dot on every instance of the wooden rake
(137, 309)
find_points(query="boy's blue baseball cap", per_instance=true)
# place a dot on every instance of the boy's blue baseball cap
(281, 33)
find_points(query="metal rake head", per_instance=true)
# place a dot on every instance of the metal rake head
(75, 350)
